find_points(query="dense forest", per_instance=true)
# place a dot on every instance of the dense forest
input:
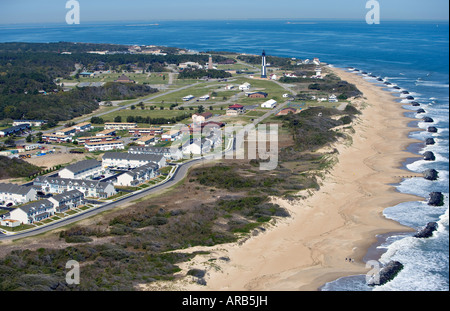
(198, 74)
(13, 168)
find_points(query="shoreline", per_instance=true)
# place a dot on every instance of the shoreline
(310, 248)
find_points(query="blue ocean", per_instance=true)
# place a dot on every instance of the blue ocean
(412, 55)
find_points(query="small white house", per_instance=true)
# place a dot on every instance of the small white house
(332, 99)
(10, 223)
(271, 103)
(245, 86)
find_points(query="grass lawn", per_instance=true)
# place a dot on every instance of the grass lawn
(154, 78)
(156, 113)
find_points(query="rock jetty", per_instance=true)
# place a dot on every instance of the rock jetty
(436, 199)
(427, 231)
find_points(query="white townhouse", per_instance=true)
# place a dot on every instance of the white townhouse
(93, 189)
(138, 175)
(11, 194)
(199, 146)
(119, 126)
(82, 127)
(81, 170)
(104, 145)
(168, 153)
(32, 212)
(131, 160)
(67, 200)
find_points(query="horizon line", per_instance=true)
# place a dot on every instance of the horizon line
(225, 20)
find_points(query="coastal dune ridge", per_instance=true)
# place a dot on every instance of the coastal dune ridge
(341, 220)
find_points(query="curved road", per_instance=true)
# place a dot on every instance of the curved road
(179, 174)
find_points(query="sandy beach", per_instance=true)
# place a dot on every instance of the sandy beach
(339, 221)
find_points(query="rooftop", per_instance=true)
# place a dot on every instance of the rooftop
(83, 166)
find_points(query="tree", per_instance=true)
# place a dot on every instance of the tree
(97, 120)
(10, 141)
(201, 109)
(118, 119)
(29, 138)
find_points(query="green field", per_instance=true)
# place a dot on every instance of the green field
(150, 78)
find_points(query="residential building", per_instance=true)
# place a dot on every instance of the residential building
(10, 222)
(33, 212)
(11, 194)
(168, 153)
(245, 86)
(201, 117)
(31, 122)
(94, 139)
(269, 104)
(81, 170)
(152, 131)
(257, 95)
(131, 160)
(199, 146)
(66, 131)
(212, 125)
(124, 79)
(106, 132)
(235, 110)
(138, 175)
(67, 200)
(82, 127)
(89, 188)
(119, 126)
(15, 129)
(104, 146)
(171, 135)
(190, 64)
(146, 140)
(54, 138)
(333, 99)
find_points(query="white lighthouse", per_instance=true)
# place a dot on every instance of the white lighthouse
(264, 66)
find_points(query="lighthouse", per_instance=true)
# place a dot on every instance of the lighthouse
(210, 63)
(264, 66)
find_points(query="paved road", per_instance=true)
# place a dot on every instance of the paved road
(128, 105)
(180, 173)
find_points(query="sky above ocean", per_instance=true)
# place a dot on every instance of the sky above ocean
(54, 11)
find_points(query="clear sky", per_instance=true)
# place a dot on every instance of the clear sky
(54, 11)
